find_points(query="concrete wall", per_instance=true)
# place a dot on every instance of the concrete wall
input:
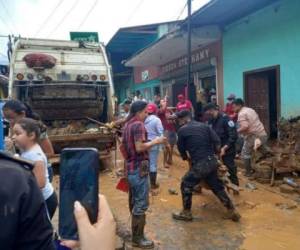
(266, 38)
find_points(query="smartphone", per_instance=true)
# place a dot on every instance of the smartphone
(79, 171)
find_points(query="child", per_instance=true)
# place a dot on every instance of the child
(26, 133)
(13, 111)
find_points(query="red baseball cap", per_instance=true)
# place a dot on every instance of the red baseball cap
(151, 108)
(180, 97)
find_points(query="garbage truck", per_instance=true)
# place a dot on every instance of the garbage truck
(69, 85)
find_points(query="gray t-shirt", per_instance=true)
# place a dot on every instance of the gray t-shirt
(37, 154)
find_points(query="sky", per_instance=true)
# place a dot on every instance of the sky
(54, 19)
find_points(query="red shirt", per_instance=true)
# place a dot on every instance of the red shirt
(163, 116)
(186, 105)
(134, 130)
(230, 112)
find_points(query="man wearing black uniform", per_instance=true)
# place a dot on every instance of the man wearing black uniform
(24, 221)
(197, 143)
(226, 130)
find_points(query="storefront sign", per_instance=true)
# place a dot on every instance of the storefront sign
(196, 57)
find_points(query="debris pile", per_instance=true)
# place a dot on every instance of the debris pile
(75, 127)
(285, 157)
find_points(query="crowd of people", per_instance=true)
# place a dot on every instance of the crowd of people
(206, 145)
(29, 201)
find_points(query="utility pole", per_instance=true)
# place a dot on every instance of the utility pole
(190, 84)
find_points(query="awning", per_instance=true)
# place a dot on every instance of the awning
(173, 45)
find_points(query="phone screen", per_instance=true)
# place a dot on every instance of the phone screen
(79, 171)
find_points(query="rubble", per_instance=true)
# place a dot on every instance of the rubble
(74, 127)
(172, 191)
(287, 206)
(285, 158)
(284, 188)
(250, 186)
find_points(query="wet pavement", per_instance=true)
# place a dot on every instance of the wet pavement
(270, 220)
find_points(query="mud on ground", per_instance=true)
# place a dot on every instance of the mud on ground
(269, 219)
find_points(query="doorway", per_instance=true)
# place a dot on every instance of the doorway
(262, 93)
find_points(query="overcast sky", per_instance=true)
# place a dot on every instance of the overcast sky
(56, 18)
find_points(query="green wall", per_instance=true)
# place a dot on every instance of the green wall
(266, 38)
(121, 85)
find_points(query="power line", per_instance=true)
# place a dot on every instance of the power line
(48, 17)
(181, 12)
(9, 16)
(63, 19)
(88, 14)
(134, 11)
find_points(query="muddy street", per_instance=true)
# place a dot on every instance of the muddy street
(270, 220)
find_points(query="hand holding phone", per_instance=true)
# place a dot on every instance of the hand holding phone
(79, 170)
(98, 236)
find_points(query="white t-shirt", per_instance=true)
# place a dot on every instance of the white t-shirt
(37, 154)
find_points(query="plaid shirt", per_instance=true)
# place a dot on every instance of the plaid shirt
(134, 131)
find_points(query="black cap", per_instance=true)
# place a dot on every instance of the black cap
(239, 102)
(210, 106)
(183, 114)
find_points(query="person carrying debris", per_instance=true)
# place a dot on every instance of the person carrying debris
(197, 143)
(226, 130)
(253, 131)
(134, 149)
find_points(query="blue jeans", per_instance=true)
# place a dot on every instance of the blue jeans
(138, 193)
(153, 158)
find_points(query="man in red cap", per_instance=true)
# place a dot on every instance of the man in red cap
(154, 130)
(229, 108)
(183, 104)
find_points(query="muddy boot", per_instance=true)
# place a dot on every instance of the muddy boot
(153, 177)
(138, 237)
(184, 215)
(249, 171)
(232, 214)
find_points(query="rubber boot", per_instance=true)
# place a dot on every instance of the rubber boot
(153, 178)
(138, 237)
(249, 170)
(184, 215)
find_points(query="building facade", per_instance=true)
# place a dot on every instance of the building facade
(146, 81)
(206, 72)
(261, 59)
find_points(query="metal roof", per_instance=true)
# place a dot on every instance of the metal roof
(214, 13)
(223, 12)
(173, 45)
(131, 39)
